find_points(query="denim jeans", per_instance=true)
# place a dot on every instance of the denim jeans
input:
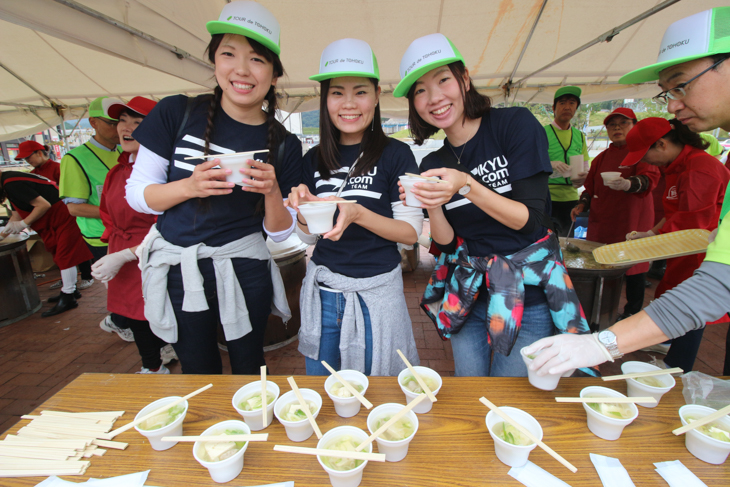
(333, 308)
(473, 354)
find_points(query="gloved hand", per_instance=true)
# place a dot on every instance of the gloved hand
(560, 167)
(14, 227)
(108, 266)
(636, 235)
(619, 184)
(560, 353)
(579, 180)
(712, 236)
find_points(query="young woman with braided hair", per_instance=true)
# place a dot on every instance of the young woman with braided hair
(205, 262)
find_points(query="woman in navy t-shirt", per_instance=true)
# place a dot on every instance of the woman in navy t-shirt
(354, 314)
(209, 232)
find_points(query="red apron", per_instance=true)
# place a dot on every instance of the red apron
(124, 228)
(613, 213)
(50, 170)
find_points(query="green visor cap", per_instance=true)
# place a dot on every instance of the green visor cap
(568, 90)
(423, 55)
(347, 57)
(700, 35)
(248, 19)
(98, 108)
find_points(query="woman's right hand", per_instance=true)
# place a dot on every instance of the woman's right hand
(577, 211)
(206, 181)
(300, 194)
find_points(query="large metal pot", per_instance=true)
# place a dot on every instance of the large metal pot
(18, 292)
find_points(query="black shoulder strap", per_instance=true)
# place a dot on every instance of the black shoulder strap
(188, 109)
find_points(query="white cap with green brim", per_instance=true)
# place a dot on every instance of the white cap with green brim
(347, 57)
(248, 19)
(700, 35)
(423, 55)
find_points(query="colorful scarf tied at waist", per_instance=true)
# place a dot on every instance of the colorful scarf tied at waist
(454, 287)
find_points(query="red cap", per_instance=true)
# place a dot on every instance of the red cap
(624, 112)
(139, 104)
(642, 136)
(28, 147)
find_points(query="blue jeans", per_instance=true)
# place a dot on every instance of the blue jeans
(333, 308)
(473, 354)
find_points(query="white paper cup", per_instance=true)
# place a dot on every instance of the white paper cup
(235, 164)
(700, 445)
(601, 425)
(319, 216)
(395, 451)
(346, 407)
(426, 405)
(228, 469)
(173, 429)
(346, 478)
(576, 165)
(407, 182)
(509, 454)
(298, 430)
(254, 418)
(546, 382)
(635, 388)
(610, 176)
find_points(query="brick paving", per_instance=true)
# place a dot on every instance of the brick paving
(39, 356)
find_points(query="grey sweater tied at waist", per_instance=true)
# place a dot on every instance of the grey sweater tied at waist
(389, 319)
(156, 255)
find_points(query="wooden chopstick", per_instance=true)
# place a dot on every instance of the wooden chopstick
(218, 438)
(410, 174)
(264, 398)
(703, 421)
(347, 386)
(527, 433)
(418, 378)
(157, 411)
(376, 457)
(415, 402)
(651, 373)
(305, 406)
(617, 400)
(327, 201)
(221, 156)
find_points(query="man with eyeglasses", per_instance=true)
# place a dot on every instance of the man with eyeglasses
(694, 73)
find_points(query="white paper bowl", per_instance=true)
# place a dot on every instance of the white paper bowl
(298, 430)
(407, 182)
(546, 382)
(254, 418)
(601, 425)
(509, 454)
(347, 478)
(319, 216)
(426, 405)
(635, 388)
(346, 407)
(700, 445)
(173, 429)
(235, 164)
(610, 176)
(395, 451)
(228, 469)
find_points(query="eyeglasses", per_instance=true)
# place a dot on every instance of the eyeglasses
(112, 123)
(615, 125)
(679, 92)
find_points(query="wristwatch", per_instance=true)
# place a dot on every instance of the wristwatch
(607, 338)
(464, 190)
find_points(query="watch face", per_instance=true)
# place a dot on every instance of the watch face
(464, 190)
(607, 336)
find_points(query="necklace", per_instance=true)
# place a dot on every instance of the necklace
(458, 158)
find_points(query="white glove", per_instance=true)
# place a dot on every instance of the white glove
(619, 184)
(636, 235)
(14, 227)
(712, 236)
(107, 267)
(579, 180)
(560, 167)
(561, 353)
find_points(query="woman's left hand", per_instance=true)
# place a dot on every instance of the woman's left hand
(348, 214)
(261, 176)
(436, 195)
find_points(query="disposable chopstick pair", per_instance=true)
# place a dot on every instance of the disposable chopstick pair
(360, 455)
(415, 402)
(221, 156)
(318, 202)
(417, 377)
(703, 421)
(650, 373)
(615, 400)
(264, 399)
(157, 411)
(410, 174)
(527, 433)
(305, 406)
(218, 438)
(348, 386)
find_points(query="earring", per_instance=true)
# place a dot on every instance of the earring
(372, 125)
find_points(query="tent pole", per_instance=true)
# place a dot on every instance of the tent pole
(605, 37)
(16, 76)
(527, 41)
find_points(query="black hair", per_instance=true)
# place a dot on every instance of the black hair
(328, 155)
(682, 135)
(566, 96)
(476, 105)
(716, 58)
(131, 113)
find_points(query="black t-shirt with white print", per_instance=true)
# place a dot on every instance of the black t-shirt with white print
(22, 188)
(361, 253)
(216, 220)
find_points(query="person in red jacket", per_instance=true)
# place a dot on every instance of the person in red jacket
(124, 230)
(695, 191)
(620, 205)
(36, 155)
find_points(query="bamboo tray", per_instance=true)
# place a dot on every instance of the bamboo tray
(665, 246)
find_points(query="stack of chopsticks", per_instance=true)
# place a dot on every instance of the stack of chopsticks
(55, 443)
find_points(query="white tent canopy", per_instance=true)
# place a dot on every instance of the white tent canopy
(58, 55)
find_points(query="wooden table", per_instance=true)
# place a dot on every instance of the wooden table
(452, 446)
